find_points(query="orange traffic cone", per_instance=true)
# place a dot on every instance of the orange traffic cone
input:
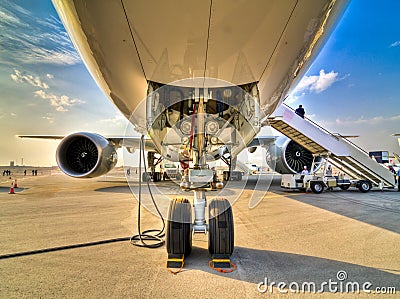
(12, 188)
(15, 184)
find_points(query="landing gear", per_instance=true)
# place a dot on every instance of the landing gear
(221, 231)
(233, 176)
(153, 162)
(199, 178)
(180, 228)
(179, 234)
(145, 177)
(157, 176)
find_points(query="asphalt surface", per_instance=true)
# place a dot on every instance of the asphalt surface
(64, 237)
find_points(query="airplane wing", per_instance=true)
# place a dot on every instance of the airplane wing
(130, 143)
(54, 137)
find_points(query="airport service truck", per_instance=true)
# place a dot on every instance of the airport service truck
(170, 171)
(317, 183)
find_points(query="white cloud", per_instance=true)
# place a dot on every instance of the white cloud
(116, 120)
(27, 39)
(49, 117)
(60, 102)
(313, 84)
(9, 18)
(293, 98)
(26, 78)
(395, 44)
(318, 83)
(7, 114)
(48, 56)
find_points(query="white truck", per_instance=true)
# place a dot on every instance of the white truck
(317, 183)
(170, 171)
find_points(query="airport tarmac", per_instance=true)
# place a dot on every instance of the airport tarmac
(290, 237)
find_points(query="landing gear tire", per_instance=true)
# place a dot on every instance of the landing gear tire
(239, 176)
(145, 177)
(156, 176)
(364, 186)
(344, 187)
(226, 175)
(178, 235)
(221, 230)
(317, 187)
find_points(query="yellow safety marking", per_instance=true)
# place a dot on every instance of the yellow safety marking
(221, 261)
(175, 260)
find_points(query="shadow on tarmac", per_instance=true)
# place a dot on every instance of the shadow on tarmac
(374, 208)
(255, 265)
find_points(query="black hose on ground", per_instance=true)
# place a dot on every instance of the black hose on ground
(151, 238)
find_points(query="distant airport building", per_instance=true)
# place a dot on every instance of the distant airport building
(11, 163)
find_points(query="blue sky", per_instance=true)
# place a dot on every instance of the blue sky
(353, 86)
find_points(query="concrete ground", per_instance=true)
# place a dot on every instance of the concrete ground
(290, 237)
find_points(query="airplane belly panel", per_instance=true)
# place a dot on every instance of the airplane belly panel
(171, 37)
(125, 44)
(243, 36)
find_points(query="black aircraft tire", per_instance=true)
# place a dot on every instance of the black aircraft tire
(221, 230)
(317, 187)
(240, 176)
(145, 177)
(178, 235)
(226, 175)
(157, 177)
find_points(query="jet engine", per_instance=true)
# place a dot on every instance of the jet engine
(289, 156)
(86, 155)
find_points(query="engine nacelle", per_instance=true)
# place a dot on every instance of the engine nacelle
(289, 156)
(86, 155)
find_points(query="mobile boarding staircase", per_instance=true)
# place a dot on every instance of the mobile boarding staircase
(340, 152)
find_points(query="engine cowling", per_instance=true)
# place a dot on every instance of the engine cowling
(289, 156)
(86, 155)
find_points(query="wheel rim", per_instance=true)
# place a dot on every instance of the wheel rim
(318, 187)
(365, 186)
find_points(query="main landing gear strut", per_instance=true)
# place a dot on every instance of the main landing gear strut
(181, 226)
